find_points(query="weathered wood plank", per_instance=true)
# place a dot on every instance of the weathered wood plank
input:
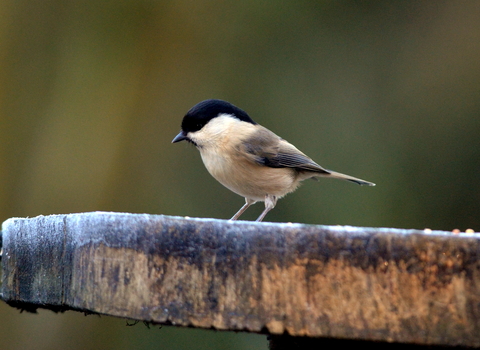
(318, 281)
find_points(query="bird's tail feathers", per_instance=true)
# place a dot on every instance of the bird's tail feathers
(335, 175)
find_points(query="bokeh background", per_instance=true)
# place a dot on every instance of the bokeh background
(92, 93)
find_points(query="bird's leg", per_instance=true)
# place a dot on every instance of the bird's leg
(270, 202)
(248, 202)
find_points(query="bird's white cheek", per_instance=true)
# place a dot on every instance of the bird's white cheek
(197, 138)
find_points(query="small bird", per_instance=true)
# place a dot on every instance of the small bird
(246, 157)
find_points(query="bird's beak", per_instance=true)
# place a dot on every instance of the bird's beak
(180, 137)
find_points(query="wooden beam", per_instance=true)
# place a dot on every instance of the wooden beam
(342, 282)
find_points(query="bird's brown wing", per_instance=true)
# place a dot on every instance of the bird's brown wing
(266, 148)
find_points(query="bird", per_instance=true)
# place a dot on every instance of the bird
(247, 158)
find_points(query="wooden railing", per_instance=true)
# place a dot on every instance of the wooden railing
(316, 283)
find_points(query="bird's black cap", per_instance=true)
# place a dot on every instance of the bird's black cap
(200, 114)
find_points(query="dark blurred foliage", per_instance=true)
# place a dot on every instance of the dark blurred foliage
(92, 92)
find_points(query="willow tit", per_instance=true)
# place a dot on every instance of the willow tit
(246, 157)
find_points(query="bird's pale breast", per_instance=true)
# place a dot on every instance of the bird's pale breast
(248, 179)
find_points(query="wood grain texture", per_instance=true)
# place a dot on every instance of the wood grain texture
(317, 281)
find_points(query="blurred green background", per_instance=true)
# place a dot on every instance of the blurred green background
(92, 93)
